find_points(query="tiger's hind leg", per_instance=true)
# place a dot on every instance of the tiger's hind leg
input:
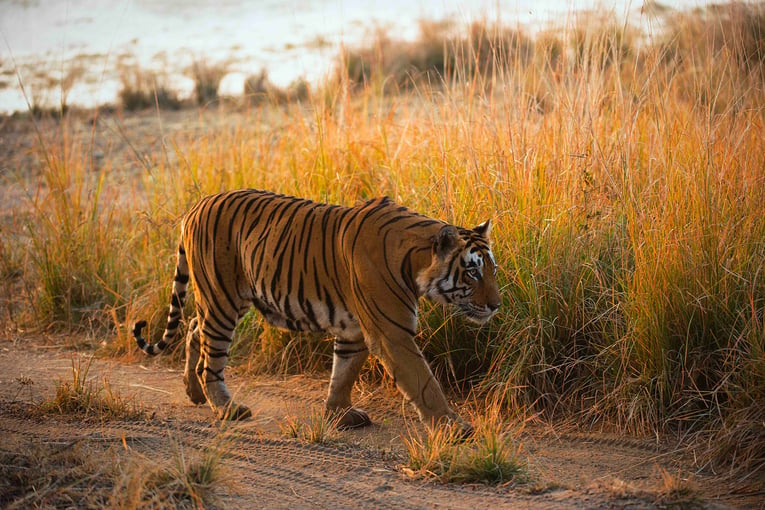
(348, 358)
(190, 374)
(215, 340)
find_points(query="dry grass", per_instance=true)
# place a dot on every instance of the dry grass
(624, 176)
(207, 78)
(69, 474)
(191, 480)
(142, 89)
(491, 455)
(83, 400)
(53, 475)
(259, 348)
(316, 427)
(676, 491)
(671, 490)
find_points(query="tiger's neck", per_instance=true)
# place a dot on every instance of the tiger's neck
(406, 240)
(421, 260)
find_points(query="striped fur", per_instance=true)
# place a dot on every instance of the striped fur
(354, 272)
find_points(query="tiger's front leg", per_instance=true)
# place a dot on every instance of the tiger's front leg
(405, 363)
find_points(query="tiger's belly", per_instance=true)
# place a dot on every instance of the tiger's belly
(308, 316)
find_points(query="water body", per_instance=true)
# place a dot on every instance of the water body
(87, 42)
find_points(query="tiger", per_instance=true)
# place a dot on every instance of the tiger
(355, 273)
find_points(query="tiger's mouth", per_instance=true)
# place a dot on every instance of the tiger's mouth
(477, 314)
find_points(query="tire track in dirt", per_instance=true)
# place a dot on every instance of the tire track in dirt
(361, 469)
(281, 473)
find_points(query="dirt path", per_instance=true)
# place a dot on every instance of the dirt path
(360, 469)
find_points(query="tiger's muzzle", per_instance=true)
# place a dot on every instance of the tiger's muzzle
(479, 314)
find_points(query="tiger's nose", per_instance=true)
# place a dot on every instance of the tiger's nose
(493, 306)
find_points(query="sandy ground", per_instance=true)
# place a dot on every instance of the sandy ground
(360, 469)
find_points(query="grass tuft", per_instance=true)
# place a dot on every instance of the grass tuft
(315, 428)
(492, 455)
(189, 481)
(52, 475)
(67, 474)
(674, 491)
(82, 399)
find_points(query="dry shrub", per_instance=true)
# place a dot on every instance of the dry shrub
(258, 89)
(436, 57)
(143, 89)
(207, 78)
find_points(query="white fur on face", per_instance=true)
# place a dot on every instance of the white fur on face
(474, 259)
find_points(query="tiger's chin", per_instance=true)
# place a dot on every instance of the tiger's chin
(476, 315)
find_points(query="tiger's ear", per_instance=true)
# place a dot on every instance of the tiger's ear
(446, 241)
(483, 229)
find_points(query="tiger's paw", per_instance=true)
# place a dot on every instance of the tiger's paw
(459, 429)
(350, 418)
(233, 411)
(194, 390)
(466, 431)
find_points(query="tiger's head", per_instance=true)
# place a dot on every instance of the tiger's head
(463, 272)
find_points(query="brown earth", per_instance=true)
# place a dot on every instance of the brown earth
(357, 469)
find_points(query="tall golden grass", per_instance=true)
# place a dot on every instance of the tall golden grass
(625, 174)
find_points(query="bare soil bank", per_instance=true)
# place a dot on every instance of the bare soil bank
(359, 469)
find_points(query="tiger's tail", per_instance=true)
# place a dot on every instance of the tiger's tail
(180, 284)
